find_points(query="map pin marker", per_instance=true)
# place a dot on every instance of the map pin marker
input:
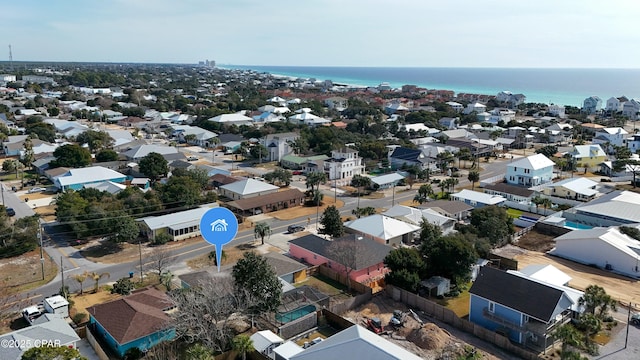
(218, 227)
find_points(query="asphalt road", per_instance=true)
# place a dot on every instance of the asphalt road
(11, 200)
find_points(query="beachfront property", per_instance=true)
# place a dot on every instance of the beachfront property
(591, 105)
(615, 104)
(631, 109)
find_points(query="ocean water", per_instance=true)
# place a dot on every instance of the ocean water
(557, 86)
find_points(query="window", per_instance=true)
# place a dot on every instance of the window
(492, 306)
(525, 318)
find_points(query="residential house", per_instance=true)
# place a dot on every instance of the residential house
(336, 102)
(475, 107)
(266, 202)
(449, 123)
(47, 330)
(591, 105)
(631, 109)
(401, 157)
(557, 111)
(138, 152)
(457, 107)
(633, 143)
(383, 229)
(610, 137)
(606, 248)
(343, 165)
(354, 342)
(510, 192)
(513, 100)
(265, 341)
(367, 267)
(194, 135)
(138, 320)
(120, 137)
(499, 114)
(232, 119)
(525, 310)
(279, 145)
(580, 189)
(107, 186)
(417, 216)
(530, 171)
(286, 268)
(588, 156)
(296, 162)
(67, 129)
(76, 179)
(559, 133)
(614, 104)
(178, 225)
(612, 209)
(453, 209)
(246, 188)
(477, 199)
(309, 119)
(387, 181)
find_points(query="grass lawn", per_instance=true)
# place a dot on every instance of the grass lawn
(459, 304)
(514, 213)
(325, 285)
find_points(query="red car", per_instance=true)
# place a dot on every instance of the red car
(297, 172)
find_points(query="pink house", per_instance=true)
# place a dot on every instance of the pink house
(365, 256)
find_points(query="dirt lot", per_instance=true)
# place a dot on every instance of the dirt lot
(25, 272)
(619, 287)
(536, 241)
(429, 340)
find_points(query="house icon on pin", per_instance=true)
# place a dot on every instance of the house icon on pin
(219, 225)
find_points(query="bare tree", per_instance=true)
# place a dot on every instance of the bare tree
(159, 260)
(205, 313)
(346, 252)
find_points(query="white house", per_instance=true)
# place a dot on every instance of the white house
(138, 152)
(631, 109)
(475, 107)
(610, 136)
(557, 110)
(477, 199)
(265, 342)
(343, 165)
(179, 225)
(232, 119)
(615, 104)
(383, 229)
(457, 107)
(612, 209)
(606, 248)
(530, 171)
(416, 216)
(76, 179)
(591, 105)
(194, 135)
(336, 102)
(278, 145)
(307, 118)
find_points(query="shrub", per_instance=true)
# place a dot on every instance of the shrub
(162, 239)
(78, 318)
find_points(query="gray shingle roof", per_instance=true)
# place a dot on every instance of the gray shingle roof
(370, 252)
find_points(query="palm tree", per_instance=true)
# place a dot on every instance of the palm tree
(96, 277)
(80, 278)
(199, 352)
(360, 181)
(570, 338)
(242, 344)
(424, 193)
(166, 279)
(591, 325)
(474, 176)
(537, 201)
(261, 230)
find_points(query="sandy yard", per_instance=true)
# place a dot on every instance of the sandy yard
(429, 340)
(619, 287)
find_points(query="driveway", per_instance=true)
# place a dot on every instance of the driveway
(615, 349)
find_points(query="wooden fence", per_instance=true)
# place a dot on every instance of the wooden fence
(96, 345)
(447, 316)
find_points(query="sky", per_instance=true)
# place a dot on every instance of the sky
(391, 33)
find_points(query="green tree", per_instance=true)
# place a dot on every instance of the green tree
(256, 280)
(199, 176)
(429, 232)
(242, 344)
(180, 191)
(71, 155)
(463, 154)
(28, 155)
(281, 177)
(590, 325)
(597, 302)
(444, 160)
(449, 256)
(261, 230)
(424, 193)
(166, 279)
(331, 222)
(570, 338)
(126, 228)
(97, 140)
(548, 150)
(80, 278)
(106, 155)
(314, 179)
(406, 267)
(45, 352)
(199, 352)
(364, 211)
(154, 166)
(628, 165)
(493, 223)
(97, 277)
(474, 177)
(360, 182)
(123, 286)
(258, 152)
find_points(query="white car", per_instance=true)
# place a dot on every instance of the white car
(35, 190)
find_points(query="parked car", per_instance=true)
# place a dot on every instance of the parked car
(635, 319)
(192, 158)
(11, 212)
(297, 172)
(35, 190)
(295, 228)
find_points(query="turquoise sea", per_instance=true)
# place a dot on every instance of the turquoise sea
(558, 86)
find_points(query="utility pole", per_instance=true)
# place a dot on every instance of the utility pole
(62, 275)
(626, 338)
(140, 252)
(10, 58)
(41, 244)
(2, 186)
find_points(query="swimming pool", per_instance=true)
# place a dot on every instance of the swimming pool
(295, 314)
(576, 226)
